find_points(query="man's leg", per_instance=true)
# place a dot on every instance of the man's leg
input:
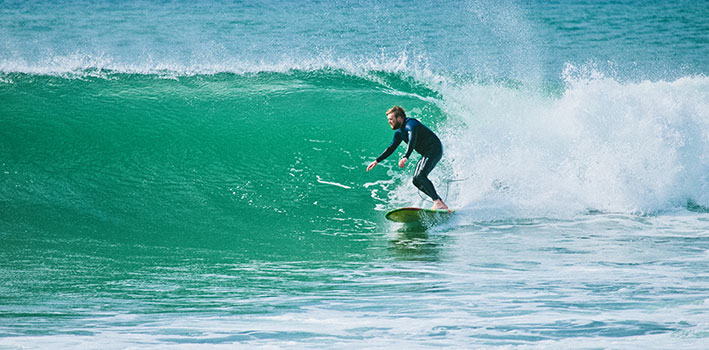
(421, 181)
(423, 168)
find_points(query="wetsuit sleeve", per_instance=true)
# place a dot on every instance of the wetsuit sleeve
(387, 152)
(413, 134)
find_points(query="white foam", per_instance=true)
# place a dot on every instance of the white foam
(602, 145)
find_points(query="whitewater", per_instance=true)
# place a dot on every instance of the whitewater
(192, 175)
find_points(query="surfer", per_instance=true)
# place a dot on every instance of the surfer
(420, 139)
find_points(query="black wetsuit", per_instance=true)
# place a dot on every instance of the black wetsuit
(425, 142)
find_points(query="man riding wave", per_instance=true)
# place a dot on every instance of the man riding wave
(420, 139)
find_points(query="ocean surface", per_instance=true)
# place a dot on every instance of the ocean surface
(191, 174)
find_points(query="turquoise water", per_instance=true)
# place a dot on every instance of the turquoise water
(186, 175)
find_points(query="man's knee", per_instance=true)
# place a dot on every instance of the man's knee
(419, 180)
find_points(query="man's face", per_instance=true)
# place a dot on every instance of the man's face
(394, 121)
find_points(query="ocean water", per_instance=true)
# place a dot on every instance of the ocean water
(183, 174)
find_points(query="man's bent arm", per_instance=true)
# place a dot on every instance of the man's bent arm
(413, 134)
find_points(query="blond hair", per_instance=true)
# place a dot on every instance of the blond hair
(398, 112)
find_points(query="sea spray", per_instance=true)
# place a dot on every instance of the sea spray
(603, 145)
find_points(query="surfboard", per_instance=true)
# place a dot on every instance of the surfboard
(414, 215)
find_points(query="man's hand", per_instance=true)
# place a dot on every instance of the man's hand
(402, 162)
(372, 165)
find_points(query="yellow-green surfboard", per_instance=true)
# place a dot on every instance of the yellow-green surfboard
(413, 215)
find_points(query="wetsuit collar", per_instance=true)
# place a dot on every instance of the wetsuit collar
(403, 125)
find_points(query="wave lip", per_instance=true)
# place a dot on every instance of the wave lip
(79, 64)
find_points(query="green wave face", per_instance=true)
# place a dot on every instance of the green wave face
(219, 160)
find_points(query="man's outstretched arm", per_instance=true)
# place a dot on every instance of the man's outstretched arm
(387, 152)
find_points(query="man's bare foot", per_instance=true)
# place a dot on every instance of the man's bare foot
(438, 204)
